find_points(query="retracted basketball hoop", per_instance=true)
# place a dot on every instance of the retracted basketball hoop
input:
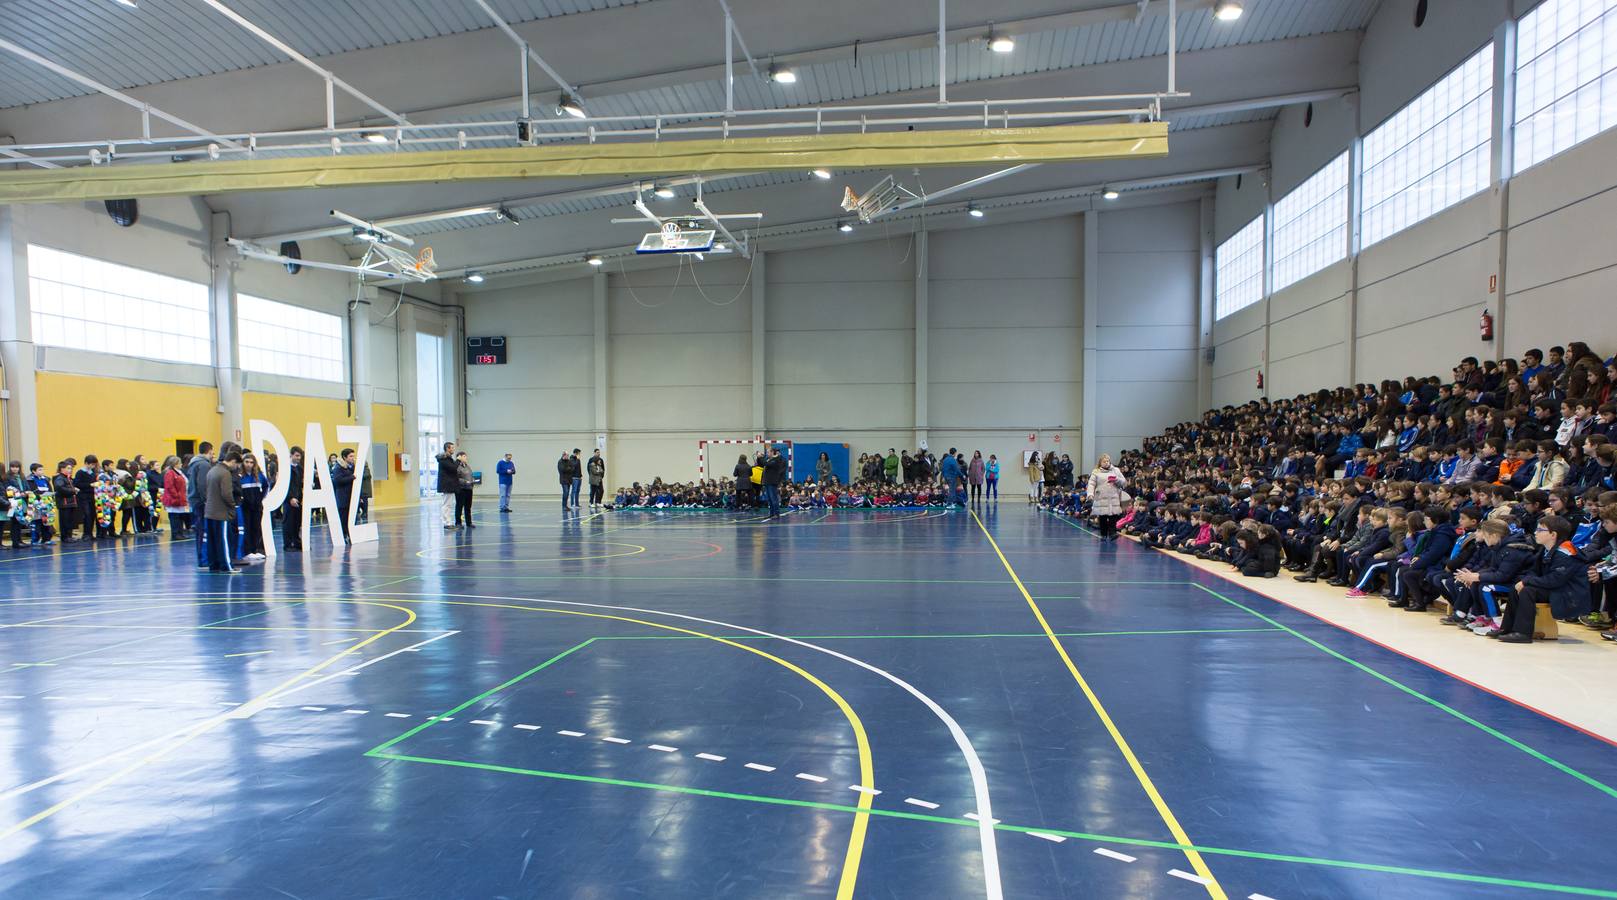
(674, 239)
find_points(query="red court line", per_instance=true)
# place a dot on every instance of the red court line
(1410, 656)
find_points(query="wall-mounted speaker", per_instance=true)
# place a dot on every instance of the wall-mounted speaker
(124, 212)
(292, 250)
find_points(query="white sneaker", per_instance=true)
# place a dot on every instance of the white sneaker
(256, 556)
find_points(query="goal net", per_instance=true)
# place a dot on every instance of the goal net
(713, 458)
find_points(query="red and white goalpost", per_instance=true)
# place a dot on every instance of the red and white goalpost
(703, 444)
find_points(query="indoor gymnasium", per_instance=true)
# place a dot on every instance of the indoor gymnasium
(755, 449)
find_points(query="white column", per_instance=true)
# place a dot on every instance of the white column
(226, 354)
(453, 361)
(1204, 309)
(1089, 437)
(922, 339)
(760, 423)
(602, 379)
(359, 344)
(409, 403)
(17, 339)
(1503, 165)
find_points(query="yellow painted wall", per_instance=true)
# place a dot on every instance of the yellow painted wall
(80, 414)
(292, 416)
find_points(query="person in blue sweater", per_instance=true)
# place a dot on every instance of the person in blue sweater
(1492, 580)
(1435, 547)
(949, 470)
(506, 470)
(1557, 578)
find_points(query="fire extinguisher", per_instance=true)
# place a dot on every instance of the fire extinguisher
(1260, 381)
(1486, 325)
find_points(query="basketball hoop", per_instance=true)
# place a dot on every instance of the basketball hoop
(424, 263)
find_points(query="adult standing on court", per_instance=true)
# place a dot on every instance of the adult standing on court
(1035, 477)
(464, 482)
(774, 474)
(991, 471)
(743, 477)
(975, 474)
(448, 484)
(949, 470)
(576, 467)
(597, 471)
(196, 476)
(564, 474)
(1106, 496)
(292, 510)
(219, 507)
(506, 470)
(890, 466)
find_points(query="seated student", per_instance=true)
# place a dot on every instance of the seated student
(1381, 551)
(1265, 560)
(1201, 538)
(1372, 533)
(1440, 582)
(1605, 422)
(1576, 417)
(1223, 546)
(1411, 587)
(1557, 578)
(1246, 550)
(1506, 557)
(1489, 460)
(1600, 552)
(1300, 542)
(1531, 509)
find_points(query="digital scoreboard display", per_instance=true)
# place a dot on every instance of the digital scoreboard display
(485, 351)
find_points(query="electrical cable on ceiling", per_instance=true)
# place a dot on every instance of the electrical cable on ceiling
(744, 282)
(680, 273)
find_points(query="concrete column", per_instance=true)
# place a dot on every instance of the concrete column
(922, 339)
(17, 339)
(453, 361)
(359, 344)
(1089, 433)
(1204, 309)
(1503, 165)
(409, 403)
(602, 336)
(1355, 189)
(226, 353)
(760, 422)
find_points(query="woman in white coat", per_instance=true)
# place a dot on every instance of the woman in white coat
(1035, 478)
(1106, 496)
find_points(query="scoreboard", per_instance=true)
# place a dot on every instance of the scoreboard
(485, 351)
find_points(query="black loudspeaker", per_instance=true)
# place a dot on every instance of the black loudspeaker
(291, 249)
(1209, 353)
(124, 212)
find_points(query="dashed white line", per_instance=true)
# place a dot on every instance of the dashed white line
(312, 708)
(355, 712)
(710, 756)
(571, 733)
(527, 727)
(339, 641)
(807, 777)
(760, 768)
(19, 697)
(1053, 838)
(1177, 873)
(1258, 897)
(661, 749)
(398, 715)
(440, 718)
(483, 722)
(921, 803)
(615, 740)
(976, 818)
(863, 790)
(1113, 854)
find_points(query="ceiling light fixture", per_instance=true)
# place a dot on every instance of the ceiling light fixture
(365, 234)
(822, 174)
(375, 137)
(782, 75)
(505, 215)
(129, 3)
(474, 277)
(664, 192)
(1227, 10)
(1109, 194)
(844, 227)
(974, 212)
(571, 105)
(595, 260)
(1000, 43)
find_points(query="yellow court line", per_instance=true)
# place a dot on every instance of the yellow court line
(861, 819)
(187, 735)
(1167, 815)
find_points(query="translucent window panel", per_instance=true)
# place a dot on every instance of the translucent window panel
(1431, 154)
(91, 304)
(1239, 281)
(1566, 76)
(1310, 224)
(430, 388)
(282, 339)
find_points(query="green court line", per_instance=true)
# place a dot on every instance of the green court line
(1022, 829)
(432, 720)
(898, 637)
(1601, 786)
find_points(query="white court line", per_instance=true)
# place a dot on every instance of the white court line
(12, 697)
(661, 749)
(1113, 854)
(571, 733)
(986, 835)
(1177, 873)
(527, 727)
(398, 715)
(1052, 838)
(339, 641)
(709, 756)
(863, 790)
(485, 722)
(921, 803)
(807, 777)
(356, 712)
(760, 768)
(353, 671)
(613, 740)
(976, 818)
(1258, 897)
(313, 708)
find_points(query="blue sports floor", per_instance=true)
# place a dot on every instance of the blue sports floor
(864, 704)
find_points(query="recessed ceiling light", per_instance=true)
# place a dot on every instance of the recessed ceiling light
(822, 174)
(375, 137)
(594, 260)
(570, 105)
(664, 191)
(782, 75)
(1000, 43)
(720, 246)
(974, 212)
(1109, 194)
(129, 3)
(1227, 10)
(474, 277)
(845, 227)
(365, 234)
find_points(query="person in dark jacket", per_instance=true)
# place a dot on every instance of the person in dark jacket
(292, 510)
(342, 483)
(774, 474)
(743, 477)
(1265, 559)
(575, 466)
(84, 479)
(67, 499)
(448, 484)
(597, 473)
(1557, 578)
(564, 474)
(463, 494)
(1412, 583)
(219, 505)
(1507, 559)
(196, 486)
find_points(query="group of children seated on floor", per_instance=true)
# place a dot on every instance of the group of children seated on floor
(721, 493)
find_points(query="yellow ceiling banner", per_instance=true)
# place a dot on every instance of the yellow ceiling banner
(1010, 146)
